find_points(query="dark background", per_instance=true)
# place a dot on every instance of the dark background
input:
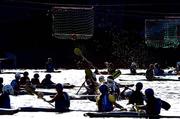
(26, 32)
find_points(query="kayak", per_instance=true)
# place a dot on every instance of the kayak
(47, 71)
(44, 109)
(39, 109)
(140, 73)
(156, 79)
(72, 97)
(65, 86)
(125, 114)
(44, 93)
(112, 114)
(165, 105)
(5, 111)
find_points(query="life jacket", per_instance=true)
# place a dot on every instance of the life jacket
(104, 104)
(114, 88)
(62, 103)
(136, 98)
(5, 101)
(153, 106)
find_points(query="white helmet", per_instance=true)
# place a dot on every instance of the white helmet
(8, 89)
(101, 79)
(17, 75)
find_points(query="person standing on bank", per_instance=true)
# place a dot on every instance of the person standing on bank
(50, 65)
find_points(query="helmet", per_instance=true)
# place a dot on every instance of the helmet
(36, 75)
(25, 73)
(103, 89)
(101, 79)
(8, 89)
(110, 79)
(48, 76)
(149, 92)
(59, 86)
(17, 75)
(139, 85)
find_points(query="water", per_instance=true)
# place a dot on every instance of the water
(166, 90)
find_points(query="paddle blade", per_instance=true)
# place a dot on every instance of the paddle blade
(88, 72)
(77, 51)
(165, 105)
(116, 74)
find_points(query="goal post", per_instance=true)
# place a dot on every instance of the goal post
(164, 33)
(72, 22)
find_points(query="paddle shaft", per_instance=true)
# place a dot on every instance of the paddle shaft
(80, 87)
(29, 89)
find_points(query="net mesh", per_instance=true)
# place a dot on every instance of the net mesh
(164, 33)
(73, 22)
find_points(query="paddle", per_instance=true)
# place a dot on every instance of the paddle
(88, 73)
(165, 105)
(38, 94)
(78, 52)
(80, 87)
(116, 74)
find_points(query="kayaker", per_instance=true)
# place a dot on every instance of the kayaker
(91, 86)
(35, 80)
(91, 83)
(157, 70)
(15, 83)
(4, 97)
(24, 79)
(110, 67)
(49, 65)
(46, 82)
(61, 99)
(1, 84)
(137, 97)
(150, 72)
(113, 86)
(133, 68)
(106, 102)
(153, 104)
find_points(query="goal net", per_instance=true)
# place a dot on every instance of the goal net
(164, 33)
(72, 22)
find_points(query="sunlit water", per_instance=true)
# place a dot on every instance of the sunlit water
(166, 90)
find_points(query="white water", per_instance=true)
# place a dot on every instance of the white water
(166, 90)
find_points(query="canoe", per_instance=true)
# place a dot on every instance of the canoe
(125, 114)
(5, 111)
